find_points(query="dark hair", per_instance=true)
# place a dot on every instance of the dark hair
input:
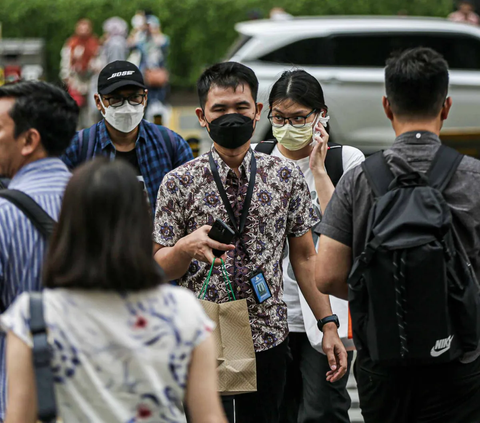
(226, 75)
(46, 108)
(300, 87)
(103, 240)
(416, 82)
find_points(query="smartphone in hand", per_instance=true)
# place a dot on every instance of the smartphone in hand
(221, 232)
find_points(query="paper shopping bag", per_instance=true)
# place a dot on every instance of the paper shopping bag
(236, 364)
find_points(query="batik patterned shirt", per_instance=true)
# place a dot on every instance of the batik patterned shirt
(281, 207)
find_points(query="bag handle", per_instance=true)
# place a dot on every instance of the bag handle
(47, 406)
(230, 292)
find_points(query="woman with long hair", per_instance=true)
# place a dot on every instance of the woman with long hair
(299, 118)
(125, 346)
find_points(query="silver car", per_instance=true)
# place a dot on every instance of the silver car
(348, 54)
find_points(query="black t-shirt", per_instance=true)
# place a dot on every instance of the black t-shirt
(130, 157)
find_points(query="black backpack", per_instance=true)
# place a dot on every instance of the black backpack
(333, 161)
(413, 295)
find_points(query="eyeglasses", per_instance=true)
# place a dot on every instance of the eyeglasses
(296, 122)
(118, 100)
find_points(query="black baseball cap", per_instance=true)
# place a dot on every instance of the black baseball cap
(119, 74)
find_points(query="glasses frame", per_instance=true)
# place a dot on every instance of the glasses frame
(107, 99)
(289, 119)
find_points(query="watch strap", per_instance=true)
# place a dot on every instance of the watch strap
(328, 319)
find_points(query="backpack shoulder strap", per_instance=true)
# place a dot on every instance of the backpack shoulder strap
(86, 140)
(378, 173)
(334, 162)
(266, 147)
(39, 217)
(443, 167)
(167, 138)
(47, 409)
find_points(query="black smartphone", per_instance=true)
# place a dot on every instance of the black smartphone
(221, 232)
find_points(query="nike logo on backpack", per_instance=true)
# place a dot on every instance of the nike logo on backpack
(441, 346)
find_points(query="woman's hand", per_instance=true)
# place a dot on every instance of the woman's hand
(319, 152)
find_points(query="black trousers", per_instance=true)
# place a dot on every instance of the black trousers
(262, 406)
(308, 397)
(447, 393)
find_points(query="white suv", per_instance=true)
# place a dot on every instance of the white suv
(347, 55)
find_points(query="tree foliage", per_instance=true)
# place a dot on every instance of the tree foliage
(201, 31)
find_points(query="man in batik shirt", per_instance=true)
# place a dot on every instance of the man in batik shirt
(189, 201)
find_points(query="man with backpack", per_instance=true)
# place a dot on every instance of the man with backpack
(401, 240)
(152, 150)
(37, 122)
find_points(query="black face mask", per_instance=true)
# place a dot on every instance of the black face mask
(232, 130)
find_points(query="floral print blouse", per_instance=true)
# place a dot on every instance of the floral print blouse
(118, 358)
(281, 206)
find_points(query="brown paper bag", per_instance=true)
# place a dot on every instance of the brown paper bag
(236, 364)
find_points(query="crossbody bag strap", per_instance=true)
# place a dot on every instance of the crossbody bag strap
(39, 217)
(42, 355)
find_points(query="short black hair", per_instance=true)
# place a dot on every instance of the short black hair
(103, 239)
(416, 82)
(226, 75)
(300, 87)
(45, 107)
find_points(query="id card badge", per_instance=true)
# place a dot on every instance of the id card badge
(260, 287)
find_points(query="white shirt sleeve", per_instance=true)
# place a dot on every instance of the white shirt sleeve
(352, 157)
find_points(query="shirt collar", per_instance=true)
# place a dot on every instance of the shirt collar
(31, 170)
(223, 168)
(417, 137)
(104, 137)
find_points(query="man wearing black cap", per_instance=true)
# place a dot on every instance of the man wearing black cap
(153, 150)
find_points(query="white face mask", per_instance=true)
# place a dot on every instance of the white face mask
(124, 118)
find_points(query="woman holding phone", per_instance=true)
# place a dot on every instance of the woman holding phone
(299, 117)
(125, 346)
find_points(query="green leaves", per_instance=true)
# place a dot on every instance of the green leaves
(201, 31)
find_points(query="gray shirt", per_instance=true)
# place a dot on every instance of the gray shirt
(346, 216)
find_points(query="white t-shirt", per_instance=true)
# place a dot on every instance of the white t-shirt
(118, 358)
(352, 157)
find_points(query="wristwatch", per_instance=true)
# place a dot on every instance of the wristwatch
(328, 319)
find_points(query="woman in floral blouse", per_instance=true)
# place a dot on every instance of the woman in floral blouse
(126, 348)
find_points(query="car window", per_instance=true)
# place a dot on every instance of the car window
(237, 45)
(372, 50)
(306, 52)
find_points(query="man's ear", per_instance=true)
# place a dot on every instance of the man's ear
(31, 142)
(201, 117)
(446, 108)
(146, 98)
(259, 111)
(386, 108)
(98, 103)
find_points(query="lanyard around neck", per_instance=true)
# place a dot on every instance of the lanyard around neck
(248, 199)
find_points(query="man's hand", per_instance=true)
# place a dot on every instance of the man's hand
(335, 351)
(198, 245)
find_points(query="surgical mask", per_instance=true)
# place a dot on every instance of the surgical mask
(293, 138)
(124, 118)
(231, 130)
